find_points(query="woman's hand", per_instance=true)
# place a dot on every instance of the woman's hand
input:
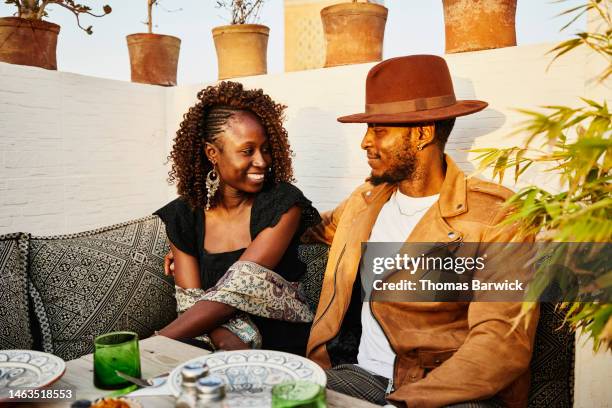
(223, 339)
(203, 317)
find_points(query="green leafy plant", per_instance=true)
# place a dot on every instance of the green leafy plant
(598, 42)
(242, 11)
(574, 144)
(37, 9)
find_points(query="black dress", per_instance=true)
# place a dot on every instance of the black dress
(185, 229)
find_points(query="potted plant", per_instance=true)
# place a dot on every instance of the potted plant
(153, 57)
(28, 40)
(242, 49)
(479, 25)
(354, 32)
(574, 144)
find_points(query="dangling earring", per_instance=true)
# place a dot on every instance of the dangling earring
(420, 147)
(212, 184)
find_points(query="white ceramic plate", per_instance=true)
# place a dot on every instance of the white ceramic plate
(249, 375)
(28, 369)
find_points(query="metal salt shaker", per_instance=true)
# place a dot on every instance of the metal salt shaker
(190, 374)
(211, 392)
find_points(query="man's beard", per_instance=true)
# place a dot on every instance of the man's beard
(403, 167)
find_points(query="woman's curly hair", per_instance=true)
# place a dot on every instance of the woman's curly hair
(205, 121)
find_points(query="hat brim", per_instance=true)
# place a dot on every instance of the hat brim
(460, 108)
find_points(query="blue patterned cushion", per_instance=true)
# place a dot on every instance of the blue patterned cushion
(83, 285)
(14, 313)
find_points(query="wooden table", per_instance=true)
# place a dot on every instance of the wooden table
(157, 355)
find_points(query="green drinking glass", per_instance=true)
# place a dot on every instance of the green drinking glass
(115, 351)
(298, 394)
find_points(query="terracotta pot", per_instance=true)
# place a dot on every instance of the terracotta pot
(154, 58)
(28, 42)
(354, 33)
(473, 25)
(242, 50)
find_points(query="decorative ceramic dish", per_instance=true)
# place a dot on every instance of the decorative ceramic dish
(28, 369)
(249, 375)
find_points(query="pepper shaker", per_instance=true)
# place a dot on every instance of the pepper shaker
(190, 374)
(211, 392)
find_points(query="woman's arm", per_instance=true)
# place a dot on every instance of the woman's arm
(186, 269)
(270, 244)
(188, 324)
(267, 250)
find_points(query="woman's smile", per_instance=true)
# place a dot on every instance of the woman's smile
(256, 177)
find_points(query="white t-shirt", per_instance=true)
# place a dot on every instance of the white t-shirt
(395, 222)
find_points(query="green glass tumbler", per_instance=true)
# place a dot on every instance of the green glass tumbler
(298, 394)
(115, 351)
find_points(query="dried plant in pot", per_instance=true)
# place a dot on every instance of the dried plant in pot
(26, 39)
(242, 48)
(354, 32)
(153, 57)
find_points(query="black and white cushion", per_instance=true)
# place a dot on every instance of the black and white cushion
(552, 364)
(315, 258)
(86, 284)
(15, 330)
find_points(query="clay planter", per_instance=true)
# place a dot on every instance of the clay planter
(242, 50)
(354, 33)
(28, 42)
(473, 25)
(154, 58)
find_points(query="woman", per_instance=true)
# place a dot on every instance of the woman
(235, 228)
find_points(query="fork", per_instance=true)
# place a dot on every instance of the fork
(144, 382)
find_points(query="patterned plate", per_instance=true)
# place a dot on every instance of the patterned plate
(28, 369)
(250, 374)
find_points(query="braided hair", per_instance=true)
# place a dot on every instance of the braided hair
(206, 120)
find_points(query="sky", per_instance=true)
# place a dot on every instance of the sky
(413, 27)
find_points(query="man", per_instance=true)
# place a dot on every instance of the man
(416, 354)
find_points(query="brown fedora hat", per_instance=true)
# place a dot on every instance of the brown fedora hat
(417, 88)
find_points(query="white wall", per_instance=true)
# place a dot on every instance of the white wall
(79, 152)
(329, 162)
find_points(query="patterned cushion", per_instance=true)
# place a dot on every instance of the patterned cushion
(552, 365)
(315, 258)
(15, 313)
(94, 282)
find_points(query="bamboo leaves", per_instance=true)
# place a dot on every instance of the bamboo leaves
(600, 42)
(575, 144)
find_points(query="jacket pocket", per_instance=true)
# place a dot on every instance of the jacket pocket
(429, 360)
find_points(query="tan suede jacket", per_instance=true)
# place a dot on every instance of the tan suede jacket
(445, 352)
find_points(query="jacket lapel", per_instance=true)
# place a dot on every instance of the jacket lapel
(433, 226)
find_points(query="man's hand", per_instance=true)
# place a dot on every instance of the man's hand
(169, 264)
